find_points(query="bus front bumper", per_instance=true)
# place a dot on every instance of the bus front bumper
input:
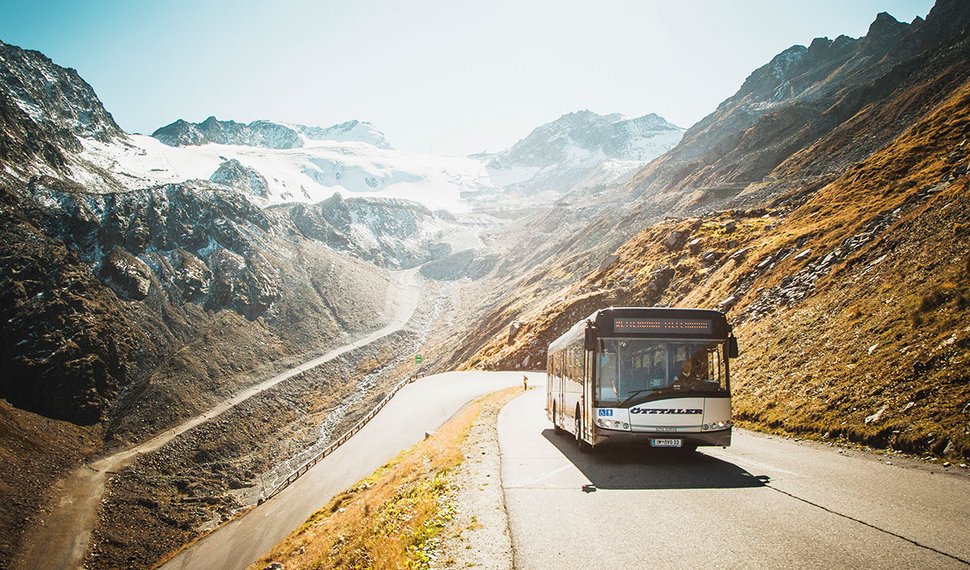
(719, 438)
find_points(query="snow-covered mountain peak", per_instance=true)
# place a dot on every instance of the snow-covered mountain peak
(584, 136)
(354, 130)
(581, 149)
(266, 134)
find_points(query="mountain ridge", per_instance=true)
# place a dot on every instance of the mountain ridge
(265, 133)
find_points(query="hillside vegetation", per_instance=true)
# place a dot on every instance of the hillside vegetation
(849, 303)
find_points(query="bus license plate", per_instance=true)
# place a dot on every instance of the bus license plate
(667, 442)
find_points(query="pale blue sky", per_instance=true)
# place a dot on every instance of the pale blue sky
(454, 77)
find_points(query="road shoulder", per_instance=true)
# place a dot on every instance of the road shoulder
(478, 536)
(415, 511)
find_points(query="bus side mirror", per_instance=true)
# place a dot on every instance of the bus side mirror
(589, 343)
(732, 347)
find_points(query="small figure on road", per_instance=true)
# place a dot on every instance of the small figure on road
(525, 382)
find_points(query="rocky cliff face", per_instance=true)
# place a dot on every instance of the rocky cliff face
(44, 108)
(200, 243)
(136, 273)
(67, 345)
(242, 178)
(388, 232)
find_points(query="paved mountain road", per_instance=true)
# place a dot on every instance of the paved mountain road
(764, 502)
(418, 408)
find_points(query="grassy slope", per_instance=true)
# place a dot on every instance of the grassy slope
(826, 344)
(393, 518)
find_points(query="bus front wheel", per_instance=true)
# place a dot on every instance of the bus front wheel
(555, 421)
(584, 446)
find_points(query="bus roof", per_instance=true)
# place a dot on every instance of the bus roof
(661, 322)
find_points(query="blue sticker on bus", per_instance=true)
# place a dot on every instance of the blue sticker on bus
(605, 412)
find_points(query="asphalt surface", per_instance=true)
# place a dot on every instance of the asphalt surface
(764, 502)
(418, 408)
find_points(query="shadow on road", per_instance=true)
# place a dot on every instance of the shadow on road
(632, 467)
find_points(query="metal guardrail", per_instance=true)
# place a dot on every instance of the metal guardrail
(303, 468)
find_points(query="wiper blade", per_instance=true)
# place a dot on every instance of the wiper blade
(634, 394)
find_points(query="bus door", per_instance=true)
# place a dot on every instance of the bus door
(561, 366)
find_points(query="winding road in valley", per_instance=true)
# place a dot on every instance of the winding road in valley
(419, 407)
(764, 502)
(61, 540)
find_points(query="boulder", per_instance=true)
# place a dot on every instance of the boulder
(694, 245)
(127, 275)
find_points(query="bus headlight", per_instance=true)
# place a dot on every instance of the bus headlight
(612, 424)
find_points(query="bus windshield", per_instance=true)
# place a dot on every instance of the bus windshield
(633, 369)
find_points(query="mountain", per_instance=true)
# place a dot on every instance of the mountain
(585, 135)
(131, 303)
(851, 95)
(265, 134)
(286, 163)
(44, 108)
(54, 97)
(580, 150)
(349, 131)
(821, 206)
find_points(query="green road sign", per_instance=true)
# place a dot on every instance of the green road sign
(418, 359)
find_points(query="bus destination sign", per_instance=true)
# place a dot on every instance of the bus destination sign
(661, 326)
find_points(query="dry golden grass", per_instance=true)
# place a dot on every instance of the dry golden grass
(392, 519)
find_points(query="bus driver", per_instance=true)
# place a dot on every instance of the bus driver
(688, 377)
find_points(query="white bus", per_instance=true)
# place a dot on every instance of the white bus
(650, 376)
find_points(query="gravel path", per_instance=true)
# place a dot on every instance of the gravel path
(478, 536)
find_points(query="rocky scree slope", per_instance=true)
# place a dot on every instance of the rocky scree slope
(850, 307)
